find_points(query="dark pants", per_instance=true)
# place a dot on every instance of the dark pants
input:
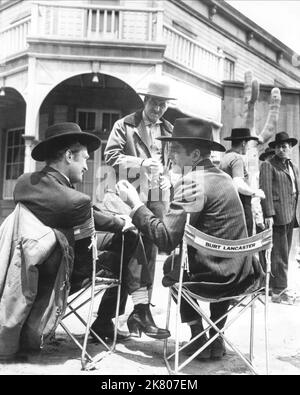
(187, 312)
(110, 247)
(246, 202)
(282, 241)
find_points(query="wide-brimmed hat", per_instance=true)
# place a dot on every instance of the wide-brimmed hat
(240, 134)
(268, 151)
(194, 130)
(158, 88)
(282, 137)
(58, 135)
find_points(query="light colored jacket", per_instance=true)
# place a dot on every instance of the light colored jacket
(29, 312)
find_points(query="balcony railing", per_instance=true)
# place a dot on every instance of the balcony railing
(13, 39)
(89, 23)
(190, 54)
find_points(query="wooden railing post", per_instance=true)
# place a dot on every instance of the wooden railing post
(159, 26)
(34, 19)
(221, 64)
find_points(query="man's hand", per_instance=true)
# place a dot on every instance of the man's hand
(153, 167)
(164, 183)
(260, 194)
(128, 193)
(269, 222)
(128, 225)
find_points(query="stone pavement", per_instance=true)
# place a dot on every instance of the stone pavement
(144, 356)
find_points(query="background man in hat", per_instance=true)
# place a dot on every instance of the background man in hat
(209, 194)
(136, 155)
(233, 164)
(49, 194)
(279, 179)
(267, 154)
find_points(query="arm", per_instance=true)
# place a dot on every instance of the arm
(265, 183)
(237, 166)
(107, 223)
(166, 234)
(115, 148)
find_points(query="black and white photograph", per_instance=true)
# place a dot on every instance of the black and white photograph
(149, 190)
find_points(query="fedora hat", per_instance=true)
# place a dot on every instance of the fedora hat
(268, 151)
(158, 88)
(282, 137)
(60, 134)
(240, 134)
(194, 129)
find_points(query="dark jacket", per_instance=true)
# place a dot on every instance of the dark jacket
(215, 210)
(280, 203)
(50, 197)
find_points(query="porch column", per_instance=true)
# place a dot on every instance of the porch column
(32, 116)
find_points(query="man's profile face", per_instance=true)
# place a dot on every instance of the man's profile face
(155, 108)
(78, 165)
(179, 157)
(283, 150)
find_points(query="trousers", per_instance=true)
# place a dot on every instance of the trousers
(282, 241)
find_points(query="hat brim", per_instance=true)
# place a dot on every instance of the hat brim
(291, 140)
(240, 138)
(158, 96)
(263, 156)
(39, 152)
(212, 145)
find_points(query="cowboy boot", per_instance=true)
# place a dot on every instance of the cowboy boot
(141, 320)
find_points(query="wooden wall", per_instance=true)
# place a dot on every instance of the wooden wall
(289, 116)
(207, 34)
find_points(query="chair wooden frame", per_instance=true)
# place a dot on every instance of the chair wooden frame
(199, 240)
(95, 287)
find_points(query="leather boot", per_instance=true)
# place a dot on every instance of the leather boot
(141, 320)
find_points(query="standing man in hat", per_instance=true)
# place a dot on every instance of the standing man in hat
(136, 155)
(279, 179)
(210, 196)
(233, 164)
(50, 195)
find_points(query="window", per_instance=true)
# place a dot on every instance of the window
(14, 160)
(229, 66)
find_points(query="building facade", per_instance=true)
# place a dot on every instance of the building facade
(84, 61)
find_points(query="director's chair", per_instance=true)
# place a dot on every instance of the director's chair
(92, 288)
(191, 292)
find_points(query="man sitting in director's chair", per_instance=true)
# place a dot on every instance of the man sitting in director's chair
(49, 194)
(210, 196)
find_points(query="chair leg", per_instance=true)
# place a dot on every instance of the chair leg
(252, 332)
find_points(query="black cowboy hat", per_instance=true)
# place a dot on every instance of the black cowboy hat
(268, 151)
(194, 129)
(282, 137)
(240, 134)
(59, 134)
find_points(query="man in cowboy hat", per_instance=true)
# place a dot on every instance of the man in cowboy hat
(233, 164)
(209, 194)
(49, 194)
(279, 179)
(135, 153)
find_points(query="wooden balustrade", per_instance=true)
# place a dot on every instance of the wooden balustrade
(190, 54)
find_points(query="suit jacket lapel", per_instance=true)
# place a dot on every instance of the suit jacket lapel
(277, 163)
